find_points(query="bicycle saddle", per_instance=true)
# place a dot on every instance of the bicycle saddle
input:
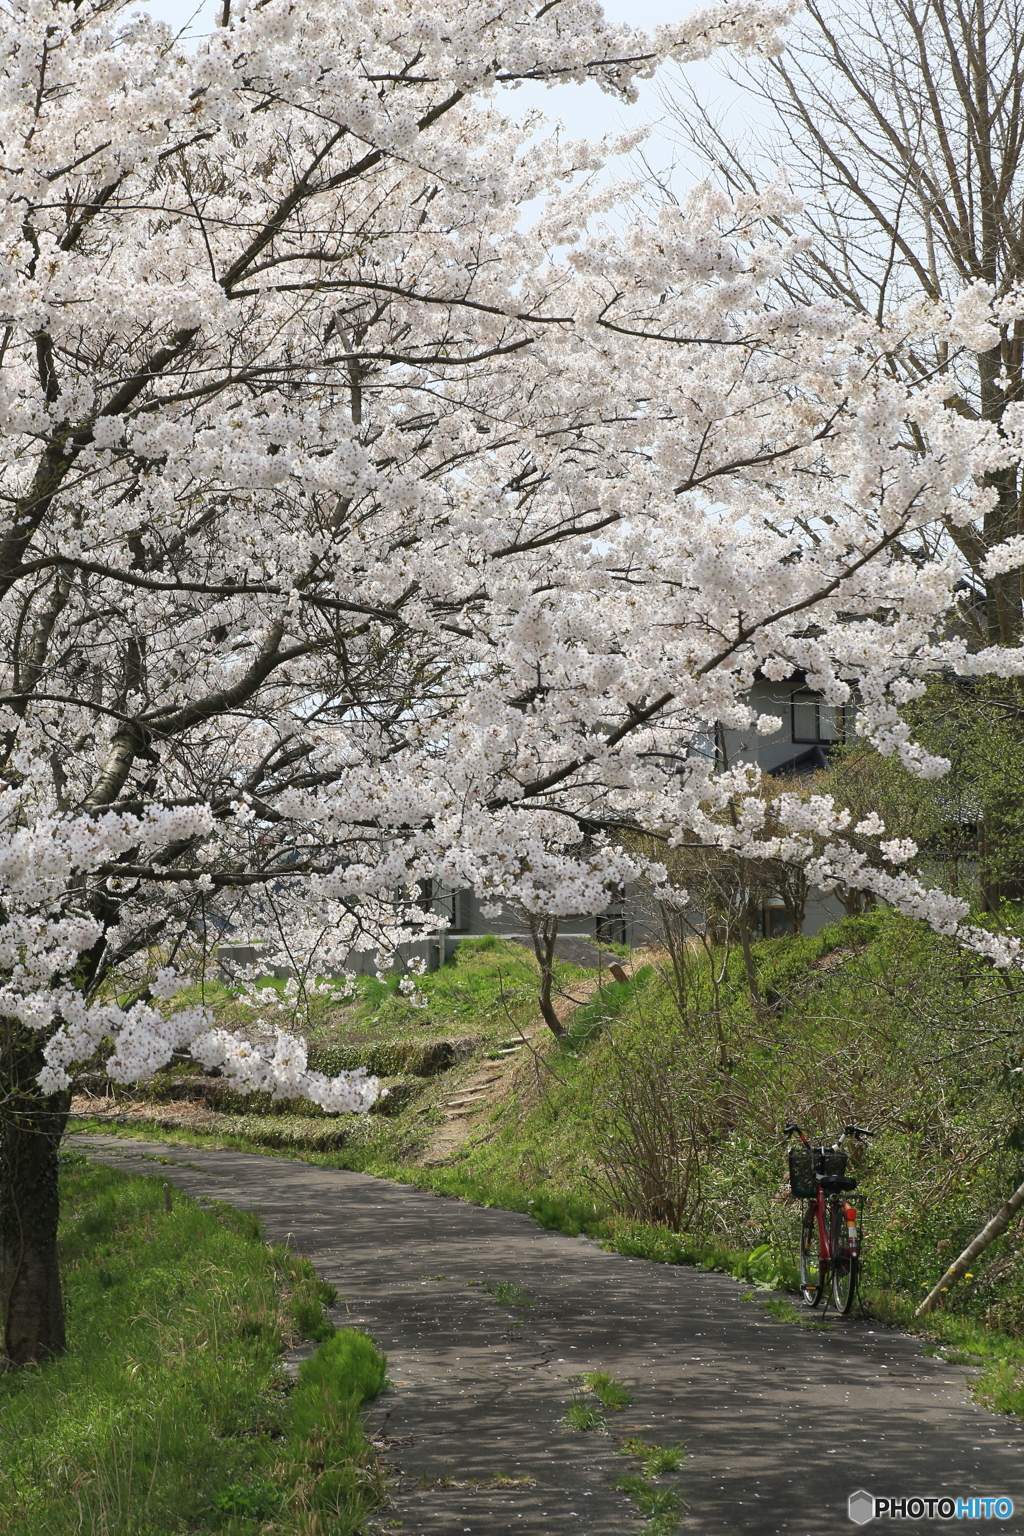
(834, 1183)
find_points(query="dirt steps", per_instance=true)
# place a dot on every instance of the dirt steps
(477, 1094)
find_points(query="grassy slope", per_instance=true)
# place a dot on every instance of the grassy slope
(489, 989)
(169, 1412)
(485, 997)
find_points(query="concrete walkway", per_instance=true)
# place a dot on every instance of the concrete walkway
(781, 1423)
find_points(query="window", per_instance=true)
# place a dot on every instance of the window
(445, 903)
(814, 720)
(611, 928)
(775, 922)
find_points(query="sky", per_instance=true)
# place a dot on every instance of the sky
(585, 110)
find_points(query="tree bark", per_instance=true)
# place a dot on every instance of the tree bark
(544, 932)
(31, 1127)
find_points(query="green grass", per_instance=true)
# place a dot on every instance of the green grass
(661, 1506)
(611, 1394)
(508, 1295)
(582, 1416)
(784, 1310)
(334, 1478)
(309, 1299)
(663, 1458)
(610, 1002)
(1001, 1386)
(657, 1459)
(488, 986)
(169, 1412)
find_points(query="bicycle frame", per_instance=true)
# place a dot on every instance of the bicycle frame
(838, 1256)
(825, 1253)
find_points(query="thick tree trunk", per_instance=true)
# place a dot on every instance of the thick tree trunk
(31, 1126)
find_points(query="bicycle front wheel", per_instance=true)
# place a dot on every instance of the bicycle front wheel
(845, 1263)
(812, 1268)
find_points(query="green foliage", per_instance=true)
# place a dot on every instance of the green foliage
(783, 1310)
(664, 1458)
(662, 1506)
(310, 1298)
(609, 1003)
(562, 1212)
(1001, 1386)
(487, 981)
(657, 1459)
(766, 1268)
(611, 1394)
(163, 1413)
(254, 1501)
(971, 820)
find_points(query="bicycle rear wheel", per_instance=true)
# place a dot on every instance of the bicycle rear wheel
(845, 1264)
(812, 1269)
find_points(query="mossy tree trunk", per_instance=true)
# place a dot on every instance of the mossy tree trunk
(31, 1127)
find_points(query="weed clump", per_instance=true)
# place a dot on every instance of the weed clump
(508, 1295)
(348, 1367)
(582, 1416)
(657, 1459)
(662, 1506)
(611, 1394)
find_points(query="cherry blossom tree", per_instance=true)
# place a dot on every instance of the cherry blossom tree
(377, 509)
(269, 406)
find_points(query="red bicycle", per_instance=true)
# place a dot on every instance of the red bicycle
(829, 1241)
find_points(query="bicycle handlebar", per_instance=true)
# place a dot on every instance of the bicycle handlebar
(858, 1131)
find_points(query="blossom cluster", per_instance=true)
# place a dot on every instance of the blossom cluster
(381, 516)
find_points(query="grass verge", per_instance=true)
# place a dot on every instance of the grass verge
(170, 1413)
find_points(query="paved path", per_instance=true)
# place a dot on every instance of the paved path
(781, 1423)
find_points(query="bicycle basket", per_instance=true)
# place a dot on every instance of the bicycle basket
(805, 1162)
